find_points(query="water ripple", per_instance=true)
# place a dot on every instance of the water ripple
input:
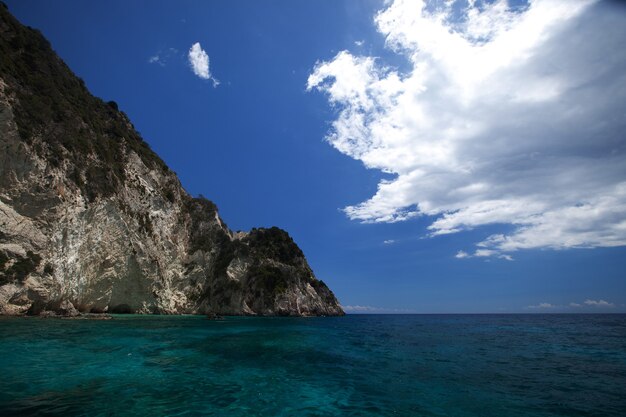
(497, 365)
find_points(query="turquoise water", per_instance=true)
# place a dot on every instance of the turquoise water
(421, 365)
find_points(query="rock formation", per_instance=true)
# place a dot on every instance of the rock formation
(91, 220)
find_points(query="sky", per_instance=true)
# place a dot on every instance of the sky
(428, 157)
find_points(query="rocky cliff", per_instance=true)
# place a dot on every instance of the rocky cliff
(91, 220)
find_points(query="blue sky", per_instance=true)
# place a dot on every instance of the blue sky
(428, 160)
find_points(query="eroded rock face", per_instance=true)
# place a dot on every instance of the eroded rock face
(91, 220)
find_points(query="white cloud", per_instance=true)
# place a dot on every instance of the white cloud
(163, 56)
(483, 253)
(507, 117)
(586, 304)
(370, 309)
(542, 306)
(199, 62)
(358, 308)
(389, 241)
(598, 303)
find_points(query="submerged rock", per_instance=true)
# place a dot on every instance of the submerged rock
(93, 221)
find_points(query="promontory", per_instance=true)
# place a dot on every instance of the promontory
(93, 221)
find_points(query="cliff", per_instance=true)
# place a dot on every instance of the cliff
(91, 220)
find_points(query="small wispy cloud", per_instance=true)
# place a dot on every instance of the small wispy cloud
(587, 304)
(162, 56)
(360, 309)
(542, 306)
(359, 43)
(389, 241)
(199, 62)
(598, 303)
(371, 309)
(483, 253)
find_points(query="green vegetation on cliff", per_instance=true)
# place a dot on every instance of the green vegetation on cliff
(56, 114)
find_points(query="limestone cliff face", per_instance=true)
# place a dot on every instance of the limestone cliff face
(91, 220)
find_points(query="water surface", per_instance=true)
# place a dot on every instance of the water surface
(374, 365)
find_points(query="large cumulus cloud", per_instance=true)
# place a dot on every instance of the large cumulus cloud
(513, 116)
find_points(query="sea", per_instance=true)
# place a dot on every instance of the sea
(357, 365)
